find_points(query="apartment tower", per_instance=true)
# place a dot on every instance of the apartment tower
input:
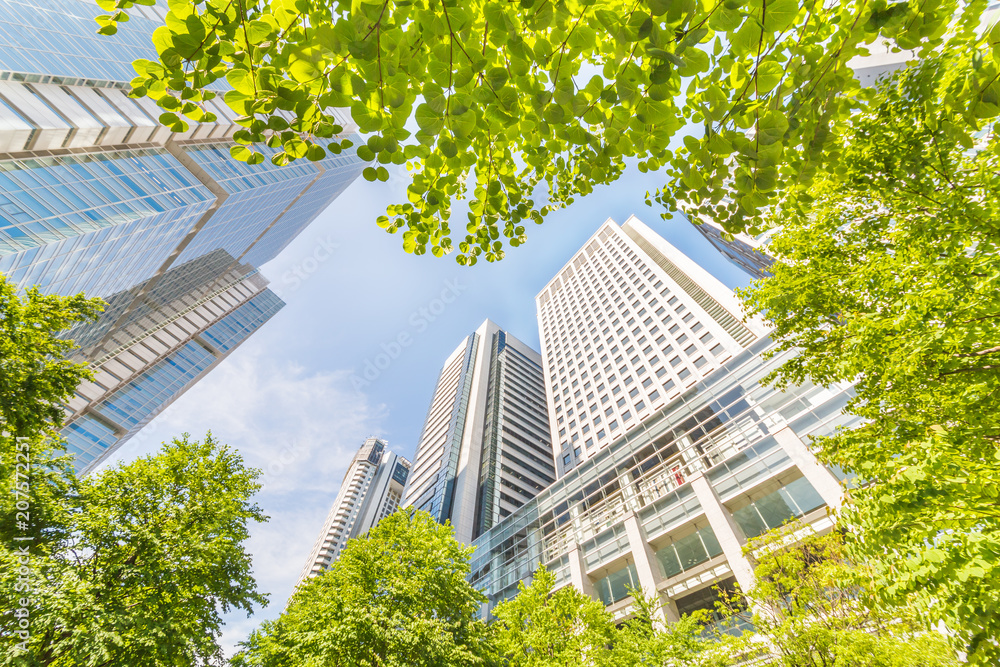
(371, 490)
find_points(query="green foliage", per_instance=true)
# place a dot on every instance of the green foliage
(542, 628)
(151, 555)
(398, 596)
(522, 107)
(35, 379)
(644, 639)
(888, 276)
(810, 607)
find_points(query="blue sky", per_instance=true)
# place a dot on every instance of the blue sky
(295, 400)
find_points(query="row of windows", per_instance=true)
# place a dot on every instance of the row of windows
(610, 274)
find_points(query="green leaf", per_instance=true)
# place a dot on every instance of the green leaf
(428, 119)
(295, 148)
(780, 15)
(768, 75)
(241, 81)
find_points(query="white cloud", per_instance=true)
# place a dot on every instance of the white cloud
(301, 428)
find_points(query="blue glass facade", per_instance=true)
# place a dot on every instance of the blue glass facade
(280, 201)
(96, 197)
(177, 289)
(59, 38)
(232, 330)
(97, 222)
(339, 172)
(113, 420)
(130, 407)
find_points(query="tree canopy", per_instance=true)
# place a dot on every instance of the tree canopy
(151, 555)
(129, 566)
(397, 596)
(35, 381)
(812, 606)
(888, 278)
(543, 627)
(35, 377)
(523, 107)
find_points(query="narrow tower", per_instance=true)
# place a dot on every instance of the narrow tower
(371, 490)
(485, 449)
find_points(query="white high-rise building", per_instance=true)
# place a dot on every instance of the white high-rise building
(626, 326)
(485, 449)
(372, 490)
(672, 453)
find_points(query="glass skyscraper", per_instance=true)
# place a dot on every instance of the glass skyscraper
(741, 249)
(96, 196)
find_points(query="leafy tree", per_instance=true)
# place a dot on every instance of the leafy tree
(35, 378)
(645, 640)
(398, 596)
(809, 610)
(545, 628)
(151, 554)
(887, 277)
(35, 381)
(522, 107)
(127, 567)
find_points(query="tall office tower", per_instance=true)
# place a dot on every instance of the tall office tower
(371, 490)
(666, 500)
(96, 196)
(743, 250)
(485, 449)
(626, 325)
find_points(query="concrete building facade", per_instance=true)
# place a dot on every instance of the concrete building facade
(626, 326)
